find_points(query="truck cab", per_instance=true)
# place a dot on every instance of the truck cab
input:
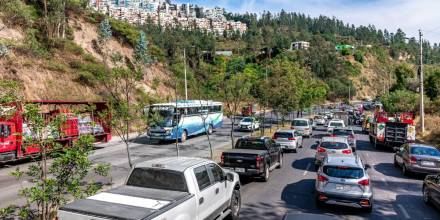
(7, 141)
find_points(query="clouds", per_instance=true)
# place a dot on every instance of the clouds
(410, 15)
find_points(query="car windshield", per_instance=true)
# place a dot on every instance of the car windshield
(247, 120)
(343, 172)
(299, 123)
(425, 151)
(158, 179)
(336, 124)
(5, 130)
(339, 132)
(283, 135)
(250, 144)
(334, 145)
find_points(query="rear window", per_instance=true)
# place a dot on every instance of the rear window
(158, 179)
(425, 151)
(247, 120)
(283, 135)
(339, 132)
(5, 131)
(299, 123)
(336, 124)
(343, 172)
(334, 145)
(250, 144)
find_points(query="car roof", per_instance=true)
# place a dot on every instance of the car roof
(422, 145)
(334, 139)
(172, 163)
(337, 120)
(301, 119)
(342, 160)
(254, 138)
(286, 130)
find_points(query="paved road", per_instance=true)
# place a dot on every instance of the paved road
(115, 154)
(291, 189)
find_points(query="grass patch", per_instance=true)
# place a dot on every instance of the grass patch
(55, 66)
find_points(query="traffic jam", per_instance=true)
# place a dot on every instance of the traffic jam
(338, 162)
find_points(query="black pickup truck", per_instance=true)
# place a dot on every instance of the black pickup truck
(253, 156)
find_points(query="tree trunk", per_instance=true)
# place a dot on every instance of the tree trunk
(232, 131)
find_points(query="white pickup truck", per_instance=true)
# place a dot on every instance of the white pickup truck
(173, 188)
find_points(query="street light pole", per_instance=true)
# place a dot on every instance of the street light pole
(184, 65)
(422, 105)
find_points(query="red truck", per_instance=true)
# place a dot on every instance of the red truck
(392, 130)
(14, 130)
(249, 110)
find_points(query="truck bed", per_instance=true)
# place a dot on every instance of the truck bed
(128, 202)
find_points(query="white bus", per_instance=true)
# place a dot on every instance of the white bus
(182, 119)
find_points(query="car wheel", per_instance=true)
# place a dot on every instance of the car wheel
(210, 129)
(235, 205)
(426, 198)
(369, 209)
(183, 137)
(295, 150)
(405, 171)
(266, 173)
(395, 162)
(280, 162)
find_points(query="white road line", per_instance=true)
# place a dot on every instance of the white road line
(307, 169)
(384, 181)
(403, 210)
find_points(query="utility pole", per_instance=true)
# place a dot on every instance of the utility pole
(184, 65)
(422, 104)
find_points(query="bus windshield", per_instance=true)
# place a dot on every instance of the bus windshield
(162, 116)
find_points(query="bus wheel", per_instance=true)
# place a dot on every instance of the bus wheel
(210, 129)
(183, 137)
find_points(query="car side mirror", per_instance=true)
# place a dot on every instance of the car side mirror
(230, 177)
(367, 166)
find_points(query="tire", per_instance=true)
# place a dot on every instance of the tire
(295, 150)
(395, 162)
(280, 162)
(235, 205)
(369, 209)
(183, 137)
(210, 129)
(266, 173)
(426, 198)
(405, 171)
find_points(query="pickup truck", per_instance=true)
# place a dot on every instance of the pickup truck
(253, 156)
(178, 188)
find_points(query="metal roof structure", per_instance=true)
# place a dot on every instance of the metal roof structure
(189, 103)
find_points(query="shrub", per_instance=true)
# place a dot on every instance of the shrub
(54, 66)
(125, 30)
(359, 57)
(89, 57)
(32, 43)
(17, 12)
(3, 50)
(399, 101)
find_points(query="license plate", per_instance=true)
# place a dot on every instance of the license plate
(428, 163)
(239, 170)
(342, 187)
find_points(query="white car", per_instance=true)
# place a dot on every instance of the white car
(165, 188)
(288, 140)
(303, 126)
(335, 123)
(249, 124)
(319, 120)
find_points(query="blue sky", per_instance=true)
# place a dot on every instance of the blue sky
(410, 15)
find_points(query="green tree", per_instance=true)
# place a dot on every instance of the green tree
(141, 50)
(402, 72)
(399, 101)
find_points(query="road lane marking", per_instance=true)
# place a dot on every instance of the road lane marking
(403, 210)
(307, 169)
(384, 181)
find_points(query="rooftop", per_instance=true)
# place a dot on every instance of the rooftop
(334, 139)
(343, 160)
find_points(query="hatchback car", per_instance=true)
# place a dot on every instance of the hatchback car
(335, 123)
(303, 126)
(331, 145)
(431, 190)
(319, 120)
(249, 124)
(288, 140)
(343, 180)
(417, 158)
(347, 133)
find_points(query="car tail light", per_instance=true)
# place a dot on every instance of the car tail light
(365, 182)
(322, 178)
(291, 139)
(274, 137)
(321, 150)
(322, 197)
(222, 162)
(258, 161)
(346, 151)
(292, 127)
(413, 160)
(364, 202)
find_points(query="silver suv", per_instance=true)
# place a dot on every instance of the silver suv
(343, 180)
(331, 145)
